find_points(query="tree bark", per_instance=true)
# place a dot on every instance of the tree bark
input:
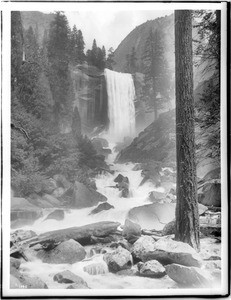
(187, 216)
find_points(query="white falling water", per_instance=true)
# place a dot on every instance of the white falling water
(121, 108)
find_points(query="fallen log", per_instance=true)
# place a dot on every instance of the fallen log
(82, 234)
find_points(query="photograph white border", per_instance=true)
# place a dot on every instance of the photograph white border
(6, 8)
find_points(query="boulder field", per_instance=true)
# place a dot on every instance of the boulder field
(151, 256)
(57, 195)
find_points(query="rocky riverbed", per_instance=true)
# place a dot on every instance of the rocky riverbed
(122, 237)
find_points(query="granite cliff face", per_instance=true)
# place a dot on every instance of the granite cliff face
(154, 143)
(137, 38)
(90, 96)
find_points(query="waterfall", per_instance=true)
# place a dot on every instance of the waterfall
(121, 108)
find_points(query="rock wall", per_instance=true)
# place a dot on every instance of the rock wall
(90, 96)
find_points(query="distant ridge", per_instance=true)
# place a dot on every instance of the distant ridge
(137, 38)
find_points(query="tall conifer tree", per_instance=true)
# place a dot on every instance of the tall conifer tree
(187, 216)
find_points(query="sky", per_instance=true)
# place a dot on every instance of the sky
(109, 28)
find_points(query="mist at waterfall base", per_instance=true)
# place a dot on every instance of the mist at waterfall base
(121, 95)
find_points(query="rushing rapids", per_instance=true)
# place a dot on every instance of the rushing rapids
(121, 108)
(103, 279)
(93, 269)
(104, 184)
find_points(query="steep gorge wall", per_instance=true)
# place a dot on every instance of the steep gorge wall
(90, 96)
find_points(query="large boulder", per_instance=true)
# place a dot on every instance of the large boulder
(101, 207)
(156, 143)
(57, 215)
(131, 231)
(69, 277)
(57, 193)
(68, 252)
(118, 260)
(211, 193)
(156, 215)
(169, 228)
(80, 196)
(168, 251)
(49, 186)
(52, 200)
(61, 181)
(122, 185)
(152, 268)
(190, 277)
(22, 209)
(142, 247)
(151, 173)
(153, 216)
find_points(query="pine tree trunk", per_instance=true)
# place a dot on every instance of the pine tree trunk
(187, 216)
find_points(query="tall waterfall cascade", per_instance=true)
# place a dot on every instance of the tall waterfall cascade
(121, 108)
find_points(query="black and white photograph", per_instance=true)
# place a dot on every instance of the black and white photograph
(114, 149)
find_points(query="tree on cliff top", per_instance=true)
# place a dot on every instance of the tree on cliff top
(157, 78)
(187, 216)
(58, 56)
(207, 50)
(110, 59)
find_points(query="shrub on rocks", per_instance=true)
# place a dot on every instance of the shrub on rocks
(189, 276)
(118, 260)
(152, 268)
(67, 252)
